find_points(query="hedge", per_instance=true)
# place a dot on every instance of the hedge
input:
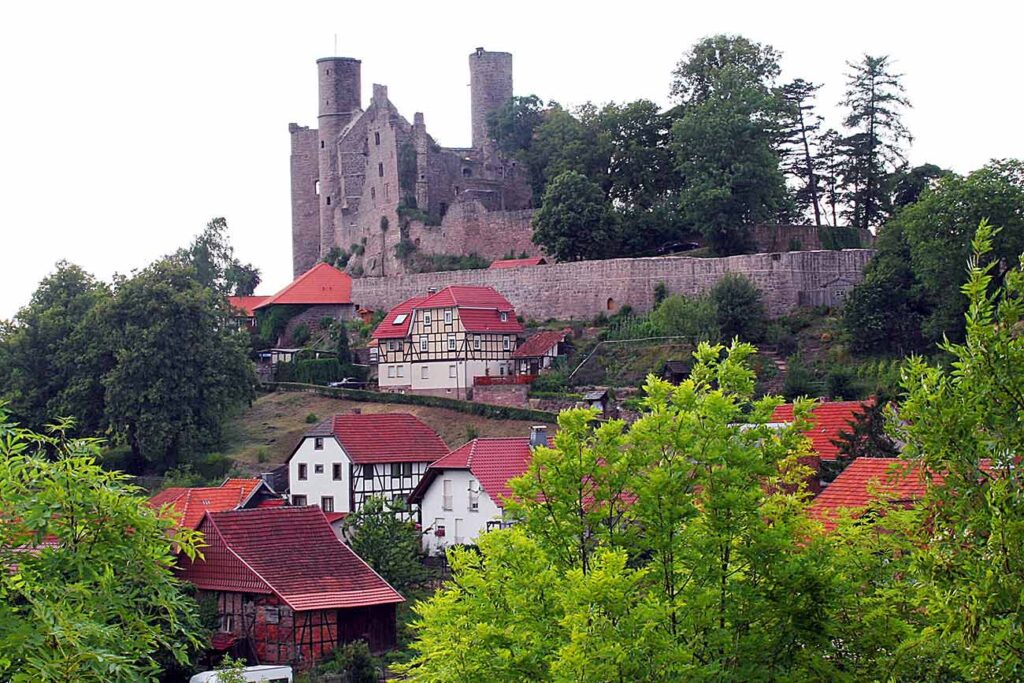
(468, 407)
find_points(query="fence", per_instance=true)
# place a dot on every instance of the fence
(490, 380)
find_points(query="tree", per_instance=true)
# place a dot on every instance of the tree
(512, 126)
(874, 150)
(739, 310)
(181, 366)
(55, 352)
(963, 420)
(88, 591)
(800, 128)
(830, 156)
(909, 185)
(693, 318)
(388, 543)
(574, 222)
(213, 259)
(725, 141)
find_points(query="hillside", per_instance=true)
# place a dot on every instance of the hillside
(266, 433)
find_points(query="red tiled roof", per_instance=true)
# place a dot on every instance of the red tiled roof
(540, 343)
(829, 419)
(468, 296)
(291, 552)
(246, 304)
(518, 262)
(896, 480)
(382, 438)
(388, 329)
(190, 504)
(489, 320)
(321, 284)
(493, 461)
(333, 517)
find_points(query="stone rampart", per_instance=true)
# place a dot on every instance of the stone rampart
(584, 289)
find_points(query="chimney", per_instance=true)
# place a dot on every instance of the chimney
(538, 436)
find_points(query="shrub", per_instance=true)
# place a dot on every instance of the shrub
(312, 418)
(355, 662)
(660, 292)
(800, 380)
(300, 335)
(471, 432)
(841, 383)
(693, 319)
(739, 309)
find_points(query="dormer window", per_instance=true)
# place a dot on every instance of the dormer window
(504, 317)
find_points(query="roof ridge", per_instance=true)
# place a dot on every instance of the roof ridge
(231, 550)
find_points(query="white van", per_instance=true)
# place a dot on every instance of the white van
(267, 674)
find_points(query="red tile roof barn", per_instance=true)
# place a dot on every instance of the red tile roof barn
(190, 504)
(388, 329)
(290, 552)
(540, 343)
(382, 438)
(895, 480)
(493, 461)
(828, 419)
(321, 284)
(518, 262)
(246, 304)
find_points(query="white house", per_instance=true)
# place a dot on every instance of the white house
(344, 460)
(462, 495)
(437, 344)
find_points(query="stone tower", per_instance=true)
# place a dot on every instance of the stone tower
(339, 102)
(490, 85)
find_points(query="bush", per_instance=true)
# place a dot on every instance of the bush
(693, 319)
(554, 382)
(312, 418)
(784, 341)
(800, 380)
(739, 309)
(315, 371)
(300, 335)
(355, 662)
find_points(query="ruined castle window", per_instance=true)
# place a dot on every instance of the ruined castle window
(467, 172)
(373, 193)
(321, 144)
(611, 304)
(328, 72)
(316, 188)
(328, 200)
(443, 209)
(376, 138)
(380, 169)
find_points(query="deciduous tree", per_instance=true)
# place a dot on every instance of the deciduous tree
(575, 221)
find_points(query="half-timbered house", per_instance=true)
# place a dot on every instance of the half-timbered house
(287, 590)
(540, 351)
(348, 458)
(437, 344)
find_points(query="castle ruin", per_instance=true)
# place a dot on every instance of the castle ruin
(370, 183)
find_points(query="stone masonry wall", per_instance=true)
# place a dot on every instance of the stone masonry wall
(468, 228)
(510, 395)
(585, 289)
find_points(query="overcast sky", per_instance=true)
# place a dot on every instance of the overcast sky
(125, 127)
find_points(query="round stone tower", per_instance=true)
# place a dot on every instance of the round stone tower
(339, 101)
(490, 85)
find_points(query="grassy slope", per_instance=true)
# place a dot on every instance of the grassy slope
(275, 423)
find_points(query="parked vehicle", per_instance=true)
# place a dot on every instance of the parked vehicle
(265, 673)
(349, 382)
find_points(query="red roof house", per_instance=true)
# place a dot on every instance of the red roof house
(539, 351)
(287, 590)
(347, 458)
(323, 284)
(190, 504)
(398, 321)
(246, 304)
(828, 418)
(895, 480)
(518, 262)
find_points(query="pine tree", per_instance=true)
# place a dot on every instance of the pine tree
(800, 131)
(874, 149)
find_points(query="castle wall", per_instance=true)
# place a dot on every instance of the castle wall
(768, 238)
(582, 290)
(468, 228)
(305, 199)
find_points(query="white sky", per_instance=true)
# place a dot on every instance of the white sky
(125, 127)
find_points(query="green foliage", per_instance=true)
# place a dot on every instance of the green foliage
(739, 309)
(315, 371)
(840, 237)
(471, 432)
(652, 554)
(212, 259)
(693, 318)
(301, 334)
(388, 543)
(800, 380)
(312, 419)
(512, 126)
(272, 321)
(355, 662)
(419, 262)
(337, 257)
(88, 592)
(231, 670)
(342, 348)
(408, 211)
(404, 249)
(906, 301)
(469, 407)
(660, 292)
(407, 169)
(574, 221)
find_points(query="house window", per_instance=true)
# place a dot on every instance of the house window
(426, 318)
(327, 503)
(391, 371)
(451, 343)
(376, 138)
(501, 368)
(446, 495)
(506, 343)
(299, 501)
(423, 343)
(318, 443)
(272, 615)
(318, 469)
(459, 526)
(401, 371)
(424, 372)
(392, 343)
(367, 472)
(401, 470)
(474, 497)
(227, 623)
(336, 471)
(451, 372)
(447, 317)
(504, 317)
(380, 169)
(302, 472)
(476, 342)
